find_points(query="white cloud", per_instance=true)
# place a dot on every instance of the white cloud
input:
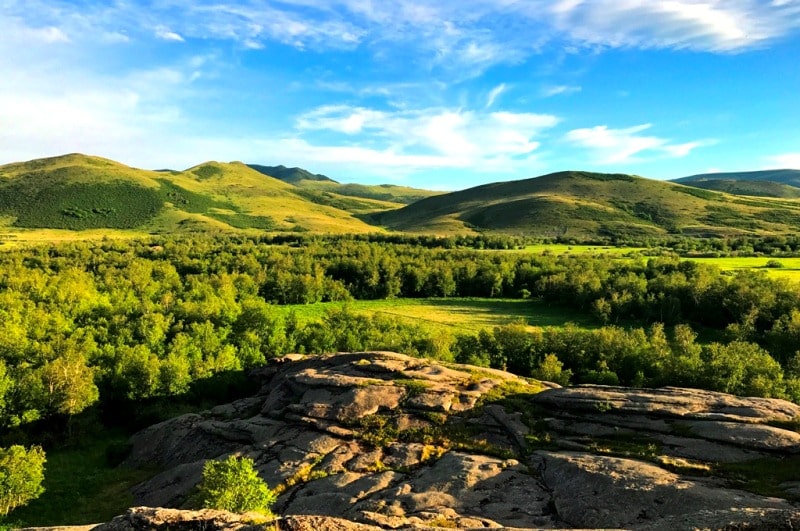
(494, 94)
(615, 146)
(461, 38)
(786, 160)
(710, 25)
(549, 92)
(167, 34)
(432, 138)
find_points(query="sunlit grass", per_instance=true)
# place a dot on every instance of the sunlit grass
(454, 314)
(559, 249)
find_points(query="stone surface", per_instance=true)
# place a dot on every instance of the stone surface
(396, 442)
(609, 492)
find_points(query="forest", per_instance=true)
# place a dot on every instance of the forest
(99, 339)
(109, 323)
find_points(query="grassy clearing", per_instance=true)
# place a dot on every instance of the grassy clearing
(82, 487)
(558, 249)
(456, 314)
(790, 269)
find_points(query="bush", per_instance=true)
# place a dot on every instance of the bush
(233, 485)
(21, 476)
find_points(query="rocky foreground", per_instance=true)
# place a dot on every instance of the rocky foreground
(381, 440)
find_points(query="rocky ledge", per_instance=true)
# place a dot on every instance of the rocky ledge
(385, 440)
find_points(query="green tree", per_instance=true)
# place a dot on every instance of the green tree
(233, 485)
(21, 475)
(551, 369)
(68, 384)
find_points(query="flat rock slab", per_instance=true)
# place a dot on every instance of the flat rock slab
(602, 492)
(755, 436)
(671, 402)
(397, 442)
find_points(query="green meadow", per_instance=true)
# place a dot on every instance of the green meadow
(451, 314)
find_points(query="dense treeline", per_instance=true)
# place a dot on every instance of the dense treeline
(110, 321)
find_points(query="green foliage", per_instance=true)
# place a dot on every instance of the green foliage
(245, 221)
(551, 369)
(208, 171)
(109, 322)
(189, 201)
(233, 485)
(80, 206)
(82, 486)
(699, 192)
(21, 476)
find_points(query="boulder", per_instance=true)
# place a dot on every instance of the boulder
(396, 442)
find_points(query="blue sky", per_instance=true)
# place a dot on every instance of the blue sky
(442, 94)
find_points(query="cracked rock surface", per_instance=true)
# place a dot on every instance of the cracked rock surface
(386, 440)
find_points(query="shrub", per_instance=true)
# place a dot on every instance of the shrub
(233, 485)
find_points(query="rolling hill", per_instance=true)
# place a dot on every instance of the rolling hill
(766, 183)
(80, 192)
(583, 204)
(320, 185)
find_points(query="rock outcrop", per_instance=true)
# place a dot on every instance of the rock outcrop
(391, 441)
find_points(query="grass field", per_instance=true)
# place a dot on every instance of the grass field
(557, 249)
(790, 269)
(455, 315)
(81, 487)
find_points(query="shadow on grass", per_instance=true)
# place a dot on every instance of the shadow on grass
(534, 312)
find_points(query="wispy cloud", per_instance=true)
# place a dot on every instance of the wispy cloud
(550, 91)
(711, 25)
(166, 34)
(494, 94)
(466, 36)
(615, 146)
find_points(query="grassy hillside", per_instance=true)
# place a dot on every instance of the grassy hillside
(388, 193)
(79, 192)
(767, 183)
(579, 204)
(323, 188)
(754, 188)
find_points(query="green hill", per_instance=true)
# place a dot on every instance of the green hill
(79, 192)
(290, 175)
(766, 183)
(582, 204)
(97, 196)
(322, 186)
(754, 188)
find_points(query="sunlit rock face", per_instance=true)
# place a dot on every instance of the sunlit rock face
(386, 440)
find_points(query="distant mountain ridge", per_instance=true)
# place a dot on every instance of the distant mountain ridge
(317, 185)
(784, 176)
(766, 183)
(290, 175)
